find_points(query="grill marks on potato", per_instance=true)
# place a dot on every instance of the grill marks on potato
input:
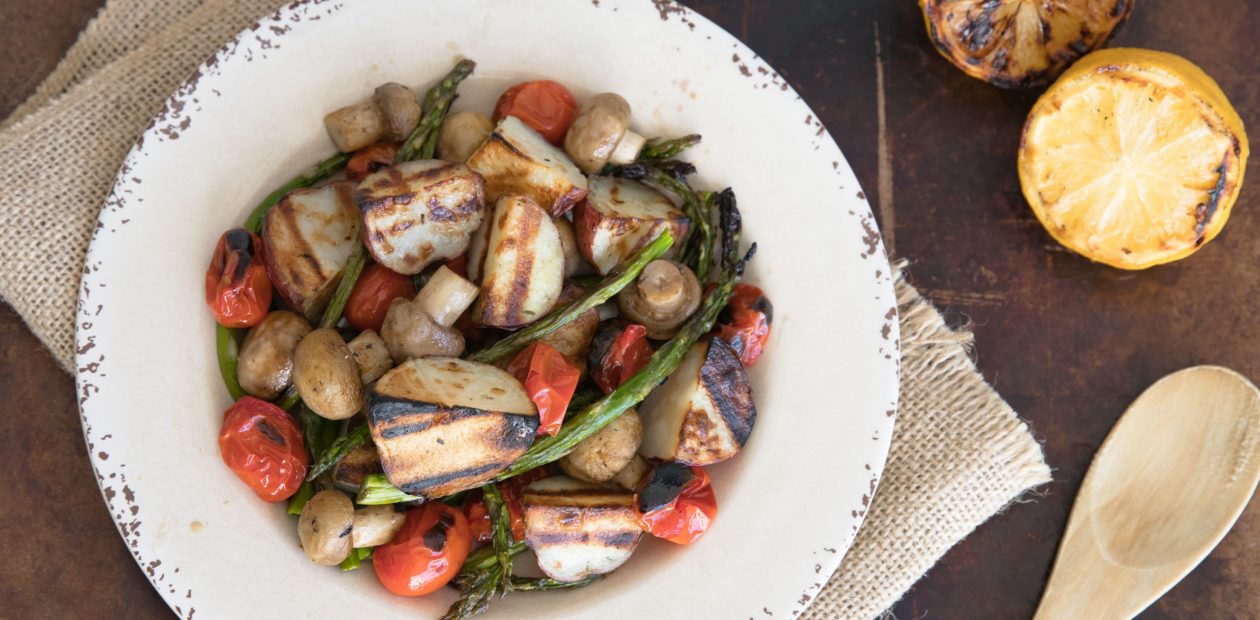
(523, 270)
(516, 160)
(579, 529)
(308, 237)
(419, 212)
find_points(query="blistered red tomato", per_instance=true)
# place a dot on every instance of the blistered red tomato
(426, 553)
(237, 289)
(748, 328)
(546, 106)
(685, 519)
(478, 518)
(372, 294)
(550, 381)
(262, 445)
(369, 159)
(627, 355)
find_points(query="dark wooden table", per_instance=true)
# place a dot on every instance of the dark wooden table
(1067, 343)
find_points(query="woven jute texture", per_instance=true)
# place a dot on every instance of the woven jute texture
(959, 453)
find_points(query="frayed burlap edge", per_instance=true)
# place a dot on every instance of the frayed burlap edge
(959, 455)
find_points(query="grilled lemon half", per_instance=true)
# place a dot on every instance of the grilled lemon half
(1020, 43)
(1133, 158)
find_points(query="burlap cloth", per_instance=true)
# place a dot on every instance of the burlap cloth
(959, 453)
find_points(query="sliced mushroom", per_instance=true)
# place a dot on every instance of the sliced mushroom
(371, 355)
(324, 527)
(631, 476)
(666, 293)
(462, 134)
(265, 367)
(422, 327)
(375, 525)
(400, 110)
(601, 134)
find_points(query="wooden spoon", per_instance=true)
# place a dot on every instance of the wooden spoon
(1169, 481)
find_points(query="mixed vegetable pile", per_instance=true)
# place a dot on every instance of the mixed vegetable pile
(472, 336)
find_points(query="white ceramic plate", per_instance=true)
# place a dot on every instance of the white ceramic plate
(152, 400)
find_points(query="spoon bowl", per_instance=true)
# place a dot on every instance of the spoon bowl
(1169, 481)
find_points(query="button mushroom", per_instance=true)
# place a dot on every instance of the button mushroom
(665, 294)
(326, 375)
(600, 457)
(601, 134)
(325, 527)
(265, 367)
(462, 134)
(391, 114)
(422, 327)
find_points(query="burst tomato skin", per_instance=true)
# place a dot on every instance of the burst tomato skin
(748, 330)
(686, 519)
(262, 445)
(546, 106)
(426, 553)
(237, 288)
(627, 355)
(478, 519)
(550, 381)
(372, 294)
(369, 159)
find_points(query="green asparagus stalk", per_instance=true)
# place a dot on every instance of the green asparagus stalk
(313, 175)
(661, 149)
(662, 363)
(376, 489)
(624, 275)
(299, 499)
(355, 559)
(525, 584)
(423, 140)
(500, 527)
(698, 248)
(228, 350)
(349, 276)
(317, 432)
(342, 446)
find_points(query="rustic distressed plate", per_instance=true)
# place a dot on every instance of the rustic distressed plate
(251, 117)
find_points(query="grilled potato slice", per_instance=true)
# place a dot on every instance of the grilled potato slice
(516, 160)
(704, 412)
(308, 237)
(523, 271)
(578, 529)
(442, 424)
(419, 212)
(619, 217)
(356, 465)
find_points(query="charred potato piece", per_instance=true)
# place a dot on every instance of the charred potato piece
(704, 412)
(516, 160)
(309, 236)
(600, 457)
(360, 462)
(578, 529)
(420, 212)
(523, 271)
(443, 425)
(265, 366)
(326, 375)
(619, 217)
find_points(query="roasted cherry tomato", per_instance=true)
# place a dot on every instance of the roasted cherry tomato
(459, 265)
(237, 288)
(747, 328)
(478, 518)
(426, 553)
(687, 516)
(369, 159)
(624, 355)
(548, 107)
(262, 445)
(550, 381)
(372, 294)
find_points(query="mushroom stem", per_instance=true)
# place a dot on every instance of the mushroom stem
(662, 287)
(446, 296)
(627, 150)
